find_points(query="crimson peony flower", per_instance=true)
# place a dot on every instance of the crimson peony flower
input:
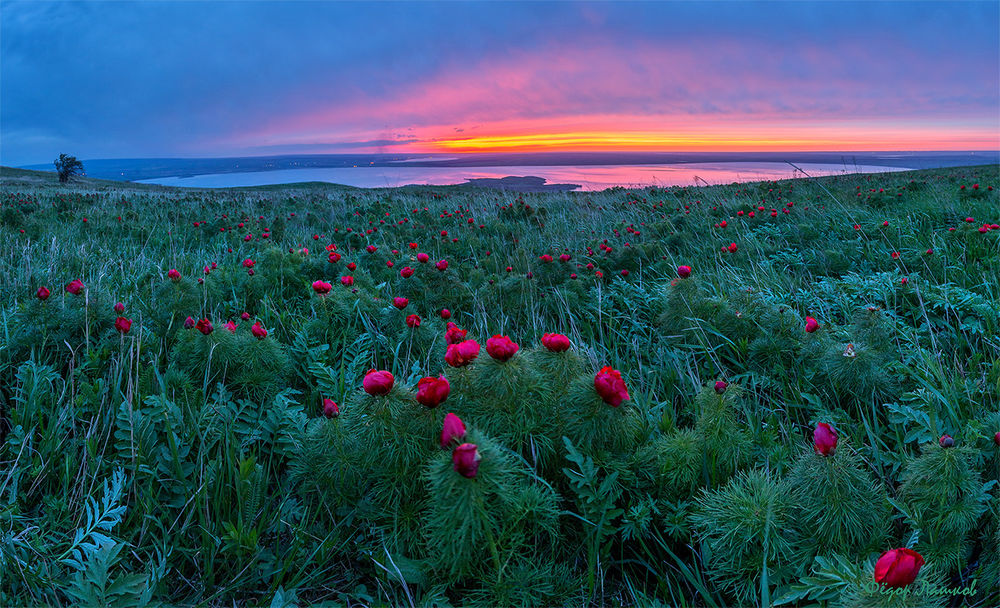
(334, 257)
(406, 272)
(347, 280)
(431, 391)
(453, 430)
(204, 326)
(188, 323)
(370, 248)
(683, 271)
(721, 386)
(322, 287)
(400, 302)
(123, 325)
(231, 327)
(462, 353)
(732, 248)
(352, 266)
(378, 382)
(42, 293)
(441, 265)
(258, 331)
(330, 409)
(824, 439)
(609, 385)
(453, 334)
(546, 258)
(119, 307)
(413, 321)
(564, 257)
(173, 274)
(465, 460)
(445, 313)
(946, 441)
(248, 263)
(501, 348)
(556, 343)
(811, 325)
(898, 568)
(996, 437)
(75, 286)
(412, 245)
(423, 258)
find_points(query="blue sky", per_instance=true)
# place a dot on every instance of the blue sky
(115, 80)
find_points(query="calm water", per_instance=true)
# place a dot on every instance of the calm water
(590, 177)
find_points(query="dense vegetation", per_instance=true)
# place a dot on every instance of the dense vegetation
(193, 420)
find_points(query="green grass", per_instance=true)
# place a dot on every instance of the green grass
(168, 466)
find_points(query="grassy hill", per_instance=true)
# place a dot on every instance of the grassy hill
(766, 388)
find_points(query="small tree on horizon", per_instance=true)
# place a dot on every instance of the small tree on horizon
(68, 167)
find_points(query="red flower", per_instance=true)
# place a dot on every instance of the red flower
(173, 274)
(442, 265)
(330, 409)
(501, 348)
(564, 257)
(204, 326)
(824, 439)
(412, 245)
(231, 327)
(75, 287)
(258, 331)
(465, 460)
(400, 302)
(609, 385)
(378, 382)
(732, 248)
(721, 386)
(370, 248)
(898, 568)
(413, 321)
(42, 293)
(423, 258)
(624, 273)
(431, 391)
(453, 430)
(946, 441)
(683, 271)
(352, 266)
(119, 307)
(811, 325)
(334, 257)
(556, 343)
(895, 255)
(248, 263)
(461, 354)
(322, 287)
(188, 323)
(546, 258)
(123, 325)
(445, 313)
(996, 437)
(454, 335)
(406, 272)
(347, 280)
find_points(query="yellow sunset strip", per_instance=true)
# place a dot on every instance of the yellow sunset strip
(610, 140)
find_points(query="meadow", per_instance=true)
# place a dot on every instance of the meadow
(772, 393)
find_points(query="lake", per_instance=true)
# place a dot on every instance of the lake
(589, 177)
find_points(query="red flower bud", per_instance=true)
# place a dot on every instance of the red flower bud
(609, 385)
(898, 568)
(453, 430)
(347, 280)
(442, 265)
(453, 335)
(824, 439)
(811, 325)
(378, 382)
(946, 441)
(204, 326)
(231, 327)
(431, 392)
(721, 386)
(501, 348)
(423, 258)
(400, 302)
(556, 343)
(330, 409)
(465, 459)
(75, 286)
(119, 307)
(188, 323)
(445, 313)
(683, 271)
(413, 321)
(42, 293)
(173, 274)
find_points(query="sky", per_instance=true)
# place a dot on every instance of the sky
(211, 79)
